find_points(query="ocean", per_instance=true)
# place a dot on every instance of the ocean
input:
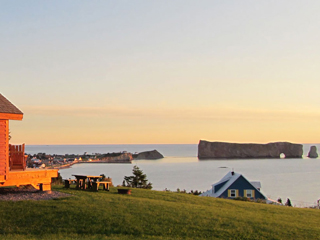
(297, 179)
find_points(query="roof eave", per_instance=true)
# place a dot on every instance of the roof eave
(11, 116)
(227, 185)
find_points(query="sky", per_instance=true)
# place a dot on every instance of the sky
(140, 71)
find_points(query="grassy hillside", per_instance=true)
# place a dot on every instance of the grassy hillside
(152, 215)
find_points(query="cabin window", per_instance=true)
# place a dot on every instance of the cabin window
(233, 193)
(249, 193)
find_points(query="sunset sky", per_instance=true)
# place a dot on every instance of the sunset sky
(121, 72)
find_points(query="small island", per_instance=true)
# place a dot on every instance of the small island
(148, 155)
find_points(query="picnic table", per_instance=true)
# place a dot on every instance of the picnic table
(105, 184)
(82, 180)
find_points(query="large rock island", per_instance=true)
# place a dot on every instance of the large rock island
(224, 150)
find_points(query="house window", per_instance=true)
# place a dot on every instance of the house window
(233, 193)
(249, 193)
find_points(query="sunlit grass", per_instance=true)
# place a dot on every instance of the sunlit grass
(152, 215)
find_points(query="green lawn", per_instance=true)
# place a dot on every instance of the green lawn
(152, 215)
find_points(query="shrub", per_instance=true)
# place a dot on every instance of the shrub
(245, 199)
(57, 181)
(107, 179)
(260, 200)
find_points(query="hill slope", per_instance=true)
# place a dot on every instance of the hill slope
(152, 215)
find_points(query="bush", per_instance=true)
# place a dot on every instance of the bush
(245, 199)
(57, 181)
(260, 201)
(107, 179)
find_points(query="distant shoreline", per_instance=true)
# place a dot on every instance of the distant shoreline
(69, 165)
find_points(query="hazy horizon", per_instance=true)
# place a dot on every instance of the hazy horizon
(129, 72)
(101, 144)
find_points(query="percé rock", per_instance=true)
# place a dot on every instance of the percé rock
(313, 152)
(224, 150)
(149, 155)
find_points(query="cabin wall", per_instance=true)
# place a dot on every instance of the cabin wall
(4, 148)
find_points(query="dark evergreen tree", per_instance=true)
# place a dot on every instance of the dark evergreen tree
(138, 180)
(102, 178)
(288, 203)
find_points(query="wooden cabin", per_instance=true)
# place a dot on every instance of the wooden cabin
(13, 171)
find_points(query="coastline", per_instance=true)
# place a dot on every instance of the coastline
(69, 165)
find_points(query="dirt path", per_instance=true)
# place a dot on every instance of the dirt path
(21, 194)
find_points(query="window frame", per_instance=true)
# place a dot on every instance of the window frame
(233, 192)
(249, 192)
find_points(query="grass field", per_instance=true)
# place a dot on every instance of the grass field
(152, 215)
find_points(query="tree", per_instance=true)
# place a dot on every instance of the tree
(288, 203)
(138, 180)
(102, 178)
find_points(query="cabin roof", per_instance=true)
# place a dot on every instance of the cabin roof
(229, 178)
(7, 107)
(256, 184)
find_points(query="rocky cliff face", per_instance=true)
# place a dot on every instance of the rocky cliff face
(313, 152)
(121, 158)
(224, 150)
(149, 155)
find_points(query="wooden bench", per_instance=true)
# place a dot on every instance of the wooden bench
(67, 182)
(105, 184)
(124, 191)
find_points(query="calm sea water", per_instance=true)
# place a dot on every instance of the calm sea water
(297, 179)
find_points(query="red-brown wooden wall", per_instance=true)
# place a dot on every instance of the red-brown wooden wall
(4, 151)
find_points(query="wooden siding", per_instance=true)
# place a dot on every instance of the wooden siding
(4, 152)
(34, 177)
(10, 116)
